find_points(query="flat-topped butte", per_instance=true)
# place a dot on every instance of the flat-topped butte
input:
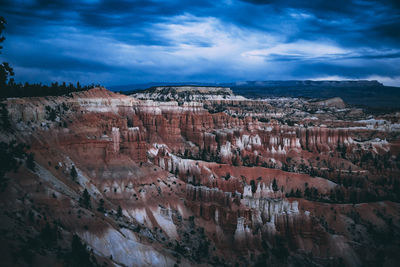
(197, 89)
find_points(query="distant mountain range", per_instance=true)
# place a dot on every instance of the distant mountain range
(372, 94)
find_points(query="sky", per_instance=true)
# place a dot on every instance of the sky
(117, 42)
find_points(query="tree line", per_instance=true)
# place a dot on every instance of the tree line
(9, 88)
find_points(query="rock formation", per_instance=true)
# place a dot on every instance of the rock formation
(200, 176)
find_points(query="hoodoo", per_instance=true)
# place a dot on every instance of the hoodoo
(200, 176)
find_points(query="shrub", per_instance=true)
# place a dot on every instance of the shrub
(74, 173)
(275, 185)
(84, 201)
(119, 211)
(101, 206)
(30, 164)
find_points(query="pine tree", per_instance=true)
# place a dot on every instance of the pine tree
(101, 206)
(253, 186)
(298, 193)
(307, 192)
(274, 185)
(79, 255)
(119, 211)
(30, 161)
(74, 173)
(291, 194)
(85, 199)
(5, 69)
(176, 171)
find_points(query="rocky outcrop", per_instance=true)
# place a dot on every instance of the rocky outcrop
(335, 102)
(251, 184)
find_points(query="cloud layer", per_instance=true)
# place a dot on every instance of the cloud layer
(123, 41)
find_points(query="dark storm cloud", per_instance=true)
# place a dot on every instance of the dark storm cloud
(207, 40)
(323, 6)
(358, 72)
(52, 60)
(333, 58)
(377, 19)
(389, 32)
